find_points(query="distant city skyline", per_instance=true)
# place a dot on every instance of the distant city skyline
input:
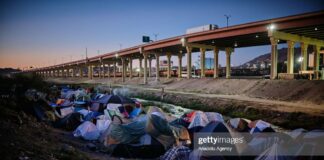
(42, 33)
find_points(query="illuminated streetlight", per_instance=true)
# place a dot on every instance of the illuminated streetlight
(271, 27)
(300, 59)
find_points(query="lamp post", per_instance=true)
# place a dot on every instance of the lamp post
(227, 18)
(300, 60)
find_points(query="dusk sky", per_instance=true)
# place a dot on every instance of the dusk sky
(44, 32)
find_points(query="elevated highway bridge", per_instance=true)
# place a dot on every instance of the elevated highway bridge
(306, 29)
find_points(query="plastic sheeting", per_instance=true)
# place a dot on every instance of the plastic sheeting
(159, 128)
(87, 130)
(198, 119)
(124, 134)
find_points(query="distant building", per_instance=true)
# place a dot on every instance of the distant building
(164, 65)
(209, 63)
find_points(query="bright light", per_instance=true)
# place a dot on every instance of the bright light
(272, 27)
(235, 44)
(213, 42)
(256, 36)
(137, 70)
(183, 40)
(315, 29)
(116, 55)
(300, 59)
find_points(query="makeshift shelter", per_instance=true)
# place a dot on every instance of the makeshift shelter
(145, 147)
(219, 127)
(159, 128)
(277, 152)
(198, 119)
(239, 124)
(69, 122)
(87, 130)
(214, 116)
(312, 144)
(260, 126)
(121, 106)
(124, 134)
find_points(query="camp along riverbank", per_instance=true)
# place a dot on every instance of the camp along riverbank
(278, 114)
(289, 104)
(154, 121)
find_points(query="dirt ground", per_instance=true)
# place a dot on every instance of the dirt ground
(23, 138)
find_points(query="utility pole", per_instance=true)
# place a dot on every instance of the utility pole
(86, 53)
(227, 18)
(155, 35)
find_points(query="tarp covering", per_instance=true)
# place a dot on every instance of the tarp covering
(124, 134)
(239, 124)
(87, 130)
(199, 118)
(158, 127)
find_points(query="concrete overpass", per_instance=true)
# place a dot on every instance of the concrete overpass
(306, 29)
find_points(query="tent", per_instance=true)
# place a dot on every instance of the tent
(145, 147)
(69, 122)
(219, 127)
(260, 126)
(198, 119)
(124, 133)
(159, 128)
(239, 124)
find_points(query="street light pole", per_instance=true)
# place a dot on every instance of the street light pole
(227, 18)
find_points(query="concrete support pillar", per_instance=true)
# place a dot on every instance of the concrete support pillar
(62, 72)
(290, 57)
(216, 70)
(150, 67)
(99, 70)
(180, 65)
(274, 58)
(114, 69)
(157, 76)
(123, 69)
(108, 70)
(228, 62)
(66, 73)
(168, 54)
(304, 55)
(202, 62)
(90, 71)
(81, 72)
(317, 50)
(130, 68)
(103, 69)
(189, 50)
(145, 68)
(72, 73)
(140, 67)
